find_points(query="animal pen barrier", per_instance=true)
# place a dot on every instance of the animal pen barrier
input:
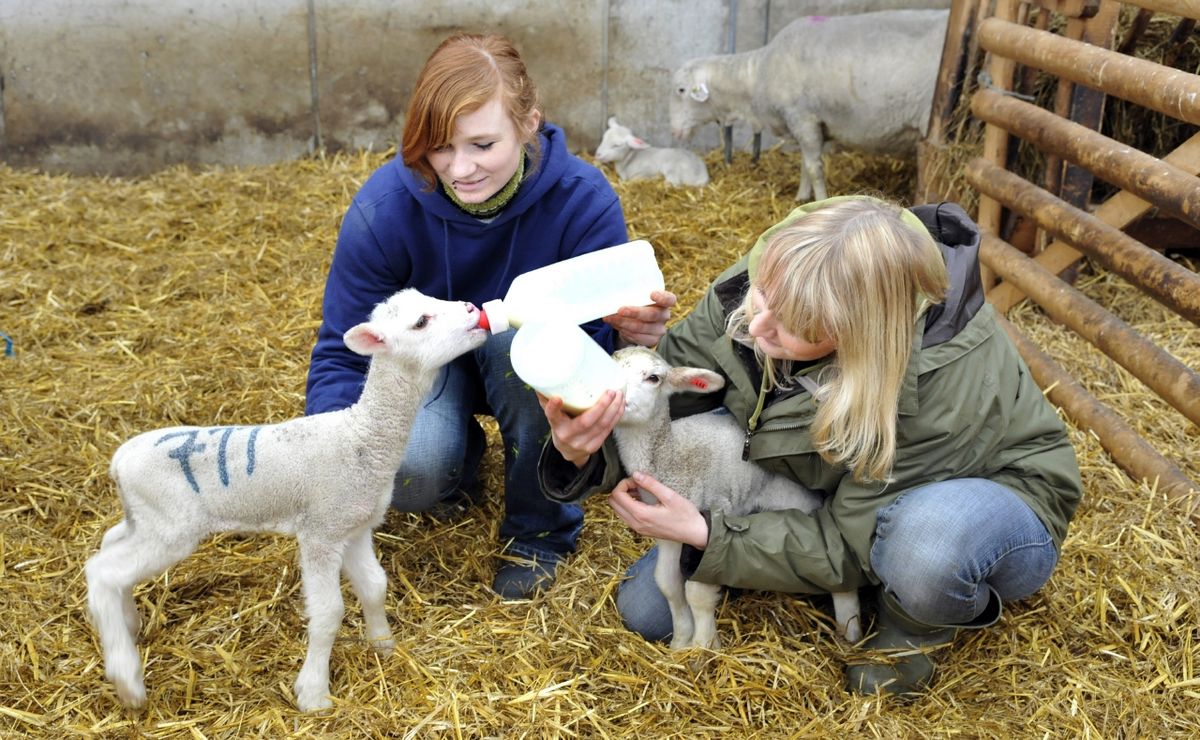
(1081, 56)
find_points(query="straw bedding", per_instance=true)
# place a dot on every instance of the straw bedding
(194, 297)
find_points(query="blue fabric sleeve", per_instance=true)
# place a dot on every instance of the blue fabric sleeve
(360, 277)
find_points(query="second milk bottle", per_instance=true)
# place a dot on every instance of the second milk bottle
(579, 289)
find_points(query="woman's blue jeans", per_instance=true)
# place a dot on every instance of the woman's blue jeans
(937, 549)
(447, 443)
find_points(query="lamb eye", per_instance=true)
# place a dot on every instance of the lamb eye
(653, 379)
(422, 322)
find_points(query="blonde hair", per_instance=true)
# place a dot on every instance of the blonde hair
(460, 76)
(856, 271)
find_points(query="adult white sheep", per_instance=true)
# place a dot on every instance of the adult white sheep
(635, 158)
(864, 82)
(325, 478)
(700, 457)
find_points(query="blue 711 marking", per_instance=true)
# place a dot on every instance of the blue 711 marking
(190, 446)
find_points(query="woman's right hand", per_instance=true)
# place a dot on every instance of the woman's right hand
(577, 438)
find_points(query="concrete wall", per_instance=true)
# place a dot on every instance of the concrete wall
(131, 86)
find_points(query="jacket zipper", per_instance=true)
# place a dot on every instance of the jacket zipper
(751, 429)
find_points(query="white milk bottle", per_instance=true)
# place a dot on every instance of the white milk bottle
(557, 358)
(579, 289)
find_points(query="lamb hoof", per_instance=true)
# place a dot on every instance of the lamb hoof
(312, 694)
(314, 700)
(853, 633)
(383, 646)
(132, 694)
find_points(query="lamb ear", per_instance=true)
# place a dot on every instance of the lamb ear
(365, 339)
(699, 92)
(694, 380)
(612, 121)
(637, 143)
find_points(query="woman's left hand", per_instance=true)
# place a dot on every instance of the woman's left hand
(672, 518)
(643, 325)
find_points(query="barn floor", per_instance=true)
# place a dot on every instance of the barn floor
(194, 297)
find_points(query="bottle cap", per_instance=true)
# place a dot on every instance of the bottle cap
(494, 314)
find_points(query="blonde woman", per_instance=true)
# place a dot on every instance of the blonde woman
(863, 362)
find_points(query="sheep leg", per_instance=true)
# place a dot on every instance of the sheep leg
(369, 581)
(670, 581)
(807, 132)
(133, 621)
(846, 612)
(124, 560)
(320, 565)
(703, 599)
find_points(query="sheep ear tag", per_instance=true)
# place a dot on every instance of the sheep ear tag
(365, 340)
(699, 92)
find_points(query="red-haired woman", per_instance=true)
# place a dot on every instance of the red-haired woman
(484, 190)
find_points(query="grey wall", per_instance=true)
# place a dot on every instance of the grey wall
(130, 86)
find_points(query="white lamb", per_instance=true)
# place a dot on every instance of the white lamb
(325, 478)
(864, 82)
(637, 159)
(700, 457)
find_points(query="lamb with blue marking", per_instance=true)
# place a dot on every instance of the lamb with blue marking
(326, 478)
(699, 457)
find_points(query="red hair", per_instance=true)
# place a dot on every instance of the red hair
(466, 71)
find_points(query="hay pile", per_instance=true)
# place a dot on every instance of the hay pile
(193, 297)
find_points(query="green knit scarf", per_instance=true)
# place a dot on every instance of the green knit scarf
(494, 204)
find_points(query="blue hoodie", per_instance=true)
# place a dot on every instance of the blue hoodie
(398, 234)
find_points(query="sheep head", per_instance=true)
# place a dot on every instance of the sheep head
(650, 382)
(424, 331)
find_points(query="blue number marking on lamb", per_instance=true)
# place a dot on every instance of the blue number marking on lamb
(189, 447)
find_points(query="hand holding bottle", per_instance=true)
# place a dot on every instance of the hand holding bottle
(643, 325)
(578, 437)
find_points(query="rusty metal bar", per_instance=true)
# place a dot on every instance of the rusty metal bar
(1118, 212)
(1185, 8)
(1173, 381)
(1150, 178)
(1169, 283)
(1152, 85)
(1128, 450)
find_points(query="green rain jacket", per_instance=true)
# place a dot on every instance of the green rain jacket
(969, 408)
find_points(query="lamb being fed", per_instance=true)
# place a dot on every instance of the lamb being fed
(635, 158)
(326, 478)
(864, 82)
(699, 456)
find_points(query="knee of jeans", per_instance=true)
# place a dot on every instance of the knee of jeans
(926, 582)
(642, 606)
(638, 616)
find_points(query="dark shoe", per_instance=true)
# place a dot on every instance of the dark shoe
(907, 665)
(521, 578)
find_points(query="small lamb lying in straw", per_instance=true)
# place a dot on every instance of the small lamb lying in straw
(326, 478)
(635, 158)
(699, 456)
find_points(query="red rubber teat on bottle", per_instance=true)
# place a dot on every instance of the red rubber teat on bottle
(483, 320)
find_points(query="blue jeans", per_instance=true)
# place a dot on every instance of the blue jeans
(447, 443)
(937, 549)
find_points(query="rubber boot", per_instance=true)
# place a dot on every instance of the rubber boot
(907, 667)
